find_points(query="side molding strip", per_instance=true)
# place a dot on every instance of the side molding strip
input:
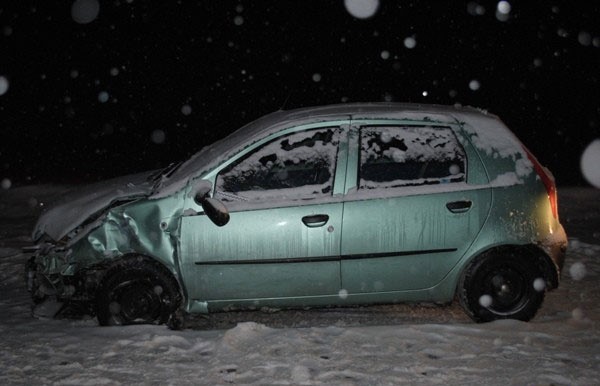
(324, 258)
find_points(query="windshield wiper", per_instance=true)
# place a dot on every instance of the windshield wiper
(165, 172)
(161, 174)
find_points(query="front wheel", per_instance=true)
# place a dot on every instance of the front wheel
(136, 291)
(502, 285)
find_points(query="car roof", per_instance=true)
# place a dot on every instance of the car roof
(373, 110)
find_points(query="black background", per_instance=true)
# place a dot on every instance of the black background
(234, 61)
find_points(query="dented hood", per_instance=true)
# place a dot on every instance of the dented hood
(77, 206)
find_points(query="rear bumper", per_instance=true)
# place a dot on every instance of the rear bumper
(555, 246)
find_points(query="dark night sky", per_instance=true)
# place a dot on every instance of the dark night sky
(233, 61)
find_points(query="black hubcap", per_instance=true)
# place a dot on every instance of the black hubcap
(507, 287)
(136, 302)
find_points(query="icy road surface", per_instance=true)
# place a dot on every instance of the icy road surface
(382, 345)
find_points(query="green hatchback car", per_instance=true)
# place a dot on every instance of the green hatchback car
(325, 206)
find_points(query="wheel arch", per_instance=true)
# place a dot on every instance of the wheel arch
(124, 259)
(136, 289)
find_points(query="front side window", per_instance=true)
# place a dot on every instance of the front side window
(408, 156)
(297, 166)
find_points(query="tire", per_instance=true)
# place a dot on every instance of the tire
(136, 290)
(499, 284)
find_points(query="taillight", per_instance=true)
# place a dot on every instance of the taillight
(547, 180)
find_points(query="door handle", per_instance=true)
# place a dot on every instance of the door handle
(315, 220)
(459, 206)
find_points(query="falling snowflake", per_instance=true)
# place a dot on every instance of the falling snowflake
(563, 33)
(103, 97)
(503, 9)
(590, 159)
(85, 11)
(410, 42)
(578, 314)
(475, 9)
(186, 109)
(6, 184)
(362, 9)
(577, 271)
(584, 38)
(3, 85)
(485, 301)
(158, 137)
(454, 169)
(539, 284)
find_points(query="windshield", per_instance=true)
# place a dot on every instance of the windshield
(210, 156)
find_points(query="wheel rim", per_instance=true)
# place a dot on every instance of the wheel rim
(507, 287)
(136, 302)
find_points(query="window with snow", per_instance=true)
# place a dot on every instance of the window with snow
(407, 156)
(297, 166)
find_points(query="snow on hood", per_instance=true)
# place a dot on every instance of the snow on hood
(77, 206)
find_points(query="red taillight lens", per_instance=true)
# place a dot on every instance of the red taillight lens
(547, 180)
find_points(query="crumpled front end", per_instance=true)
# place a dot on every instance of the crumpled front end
(58, 284)
(63, 276)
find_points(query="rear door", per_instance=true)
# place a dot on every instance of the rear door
(414, 205)
(284, 235)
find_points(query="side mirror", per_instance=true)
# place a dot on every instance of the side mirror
(216, 211)
(213, 208)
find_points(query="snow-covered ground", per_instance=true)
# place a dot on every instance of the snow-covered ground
(379, 345)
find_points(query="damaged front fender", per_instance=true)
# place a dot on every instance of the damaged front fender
(71, 270)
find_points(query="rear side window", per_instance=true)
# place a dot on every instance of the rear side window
(408, 156)
(298, 166)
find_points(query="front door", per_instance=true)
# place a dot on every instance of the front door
(284, 234)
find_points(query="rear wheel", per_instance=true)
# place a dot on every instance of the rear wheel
(136, 290)
(502, 284)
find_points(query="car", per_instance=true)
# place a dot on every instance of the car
(348, 204)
